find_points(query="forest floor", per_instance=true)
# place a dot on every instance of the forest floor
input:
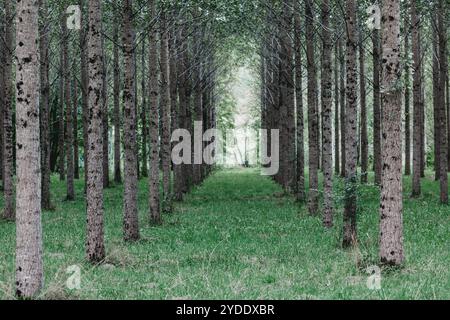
(238, 237)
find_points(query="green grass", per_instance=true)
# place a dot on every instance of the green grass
(238, 237)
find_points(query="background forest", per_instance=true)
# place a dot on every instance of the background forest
(92, 201)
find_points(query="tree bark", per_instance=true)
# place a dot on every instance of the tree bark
(117, 127)
(44, 107)
(69, 113)
(443, 61)
(417, 76)
(351, 132)
(313, 118)
(363, 118)
(153, 87)
(301, 197)
(105, 119)
(407, 99)
(165, 113)
(376, 106)
(61, 115)
(327, 102)
(144, 170)
(342, 101)
(130, 211)
(337, 141)
(391, 222)
(76, 156)
(84, 92)
(29, 265)
(8, 129)
(95, 248)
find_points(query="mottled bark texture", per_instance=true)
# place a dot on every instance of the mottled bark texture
(443, 61)
(116, 92)
(8, 129)
(84, 91)
(337, 141)
(327, 105)
(29, 264)
(61, 109)
(342, 100)
(301, 196)
(165, 114)
(363, 107)
(407, 74)
(351, 132)
(153, 87)
(391, 206)
(95, 248)
(44, 108)
(143, 113)
(130, 210)
(105, 119)
(376, 106)
(417, 104)
(287, 102)
(313, 117)
(65, 72)
(76, 156)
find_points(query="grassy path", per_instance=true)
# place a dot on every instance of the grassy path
(237, 237)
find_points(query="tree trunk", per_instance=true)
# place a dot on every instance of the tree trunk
(443, 61)
(61, 115)
(337, 151)
(144, 171)
(417, 76)
(8, 129)
(165, 113)
(407, 100)
(327, 102)
(117, 127)
(84, 92)
(376, 107)
(351, 132)
(391, 222)
(342, 101)
(313, 201)
(29, 265)
(45, 108)
(130, 210)
(105, 120)
(436, 97)
(95, 248)
(301, 197)
(76, 156)
(363, 119)
(69, 113)
(154, 196)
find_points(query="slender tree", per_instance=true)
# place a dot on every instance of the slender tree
(351, 123)
(407, 98)
(417, 76)
(362, 101)
(29, 264)
(8, 129)
(117, 127)
(76, 157)
(68, 113)
(313, 118)
(391, 222)
(165, 112)
(44, 107)
(130, 211)
(95, 248)
(443, 61)
(154, 196)
(299, 100)
(144, 170)
(327, 102)
(376, 106)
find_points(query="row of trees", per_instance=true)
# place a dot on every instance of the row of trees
(165, 46)
(295, 35)
(163, 63)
